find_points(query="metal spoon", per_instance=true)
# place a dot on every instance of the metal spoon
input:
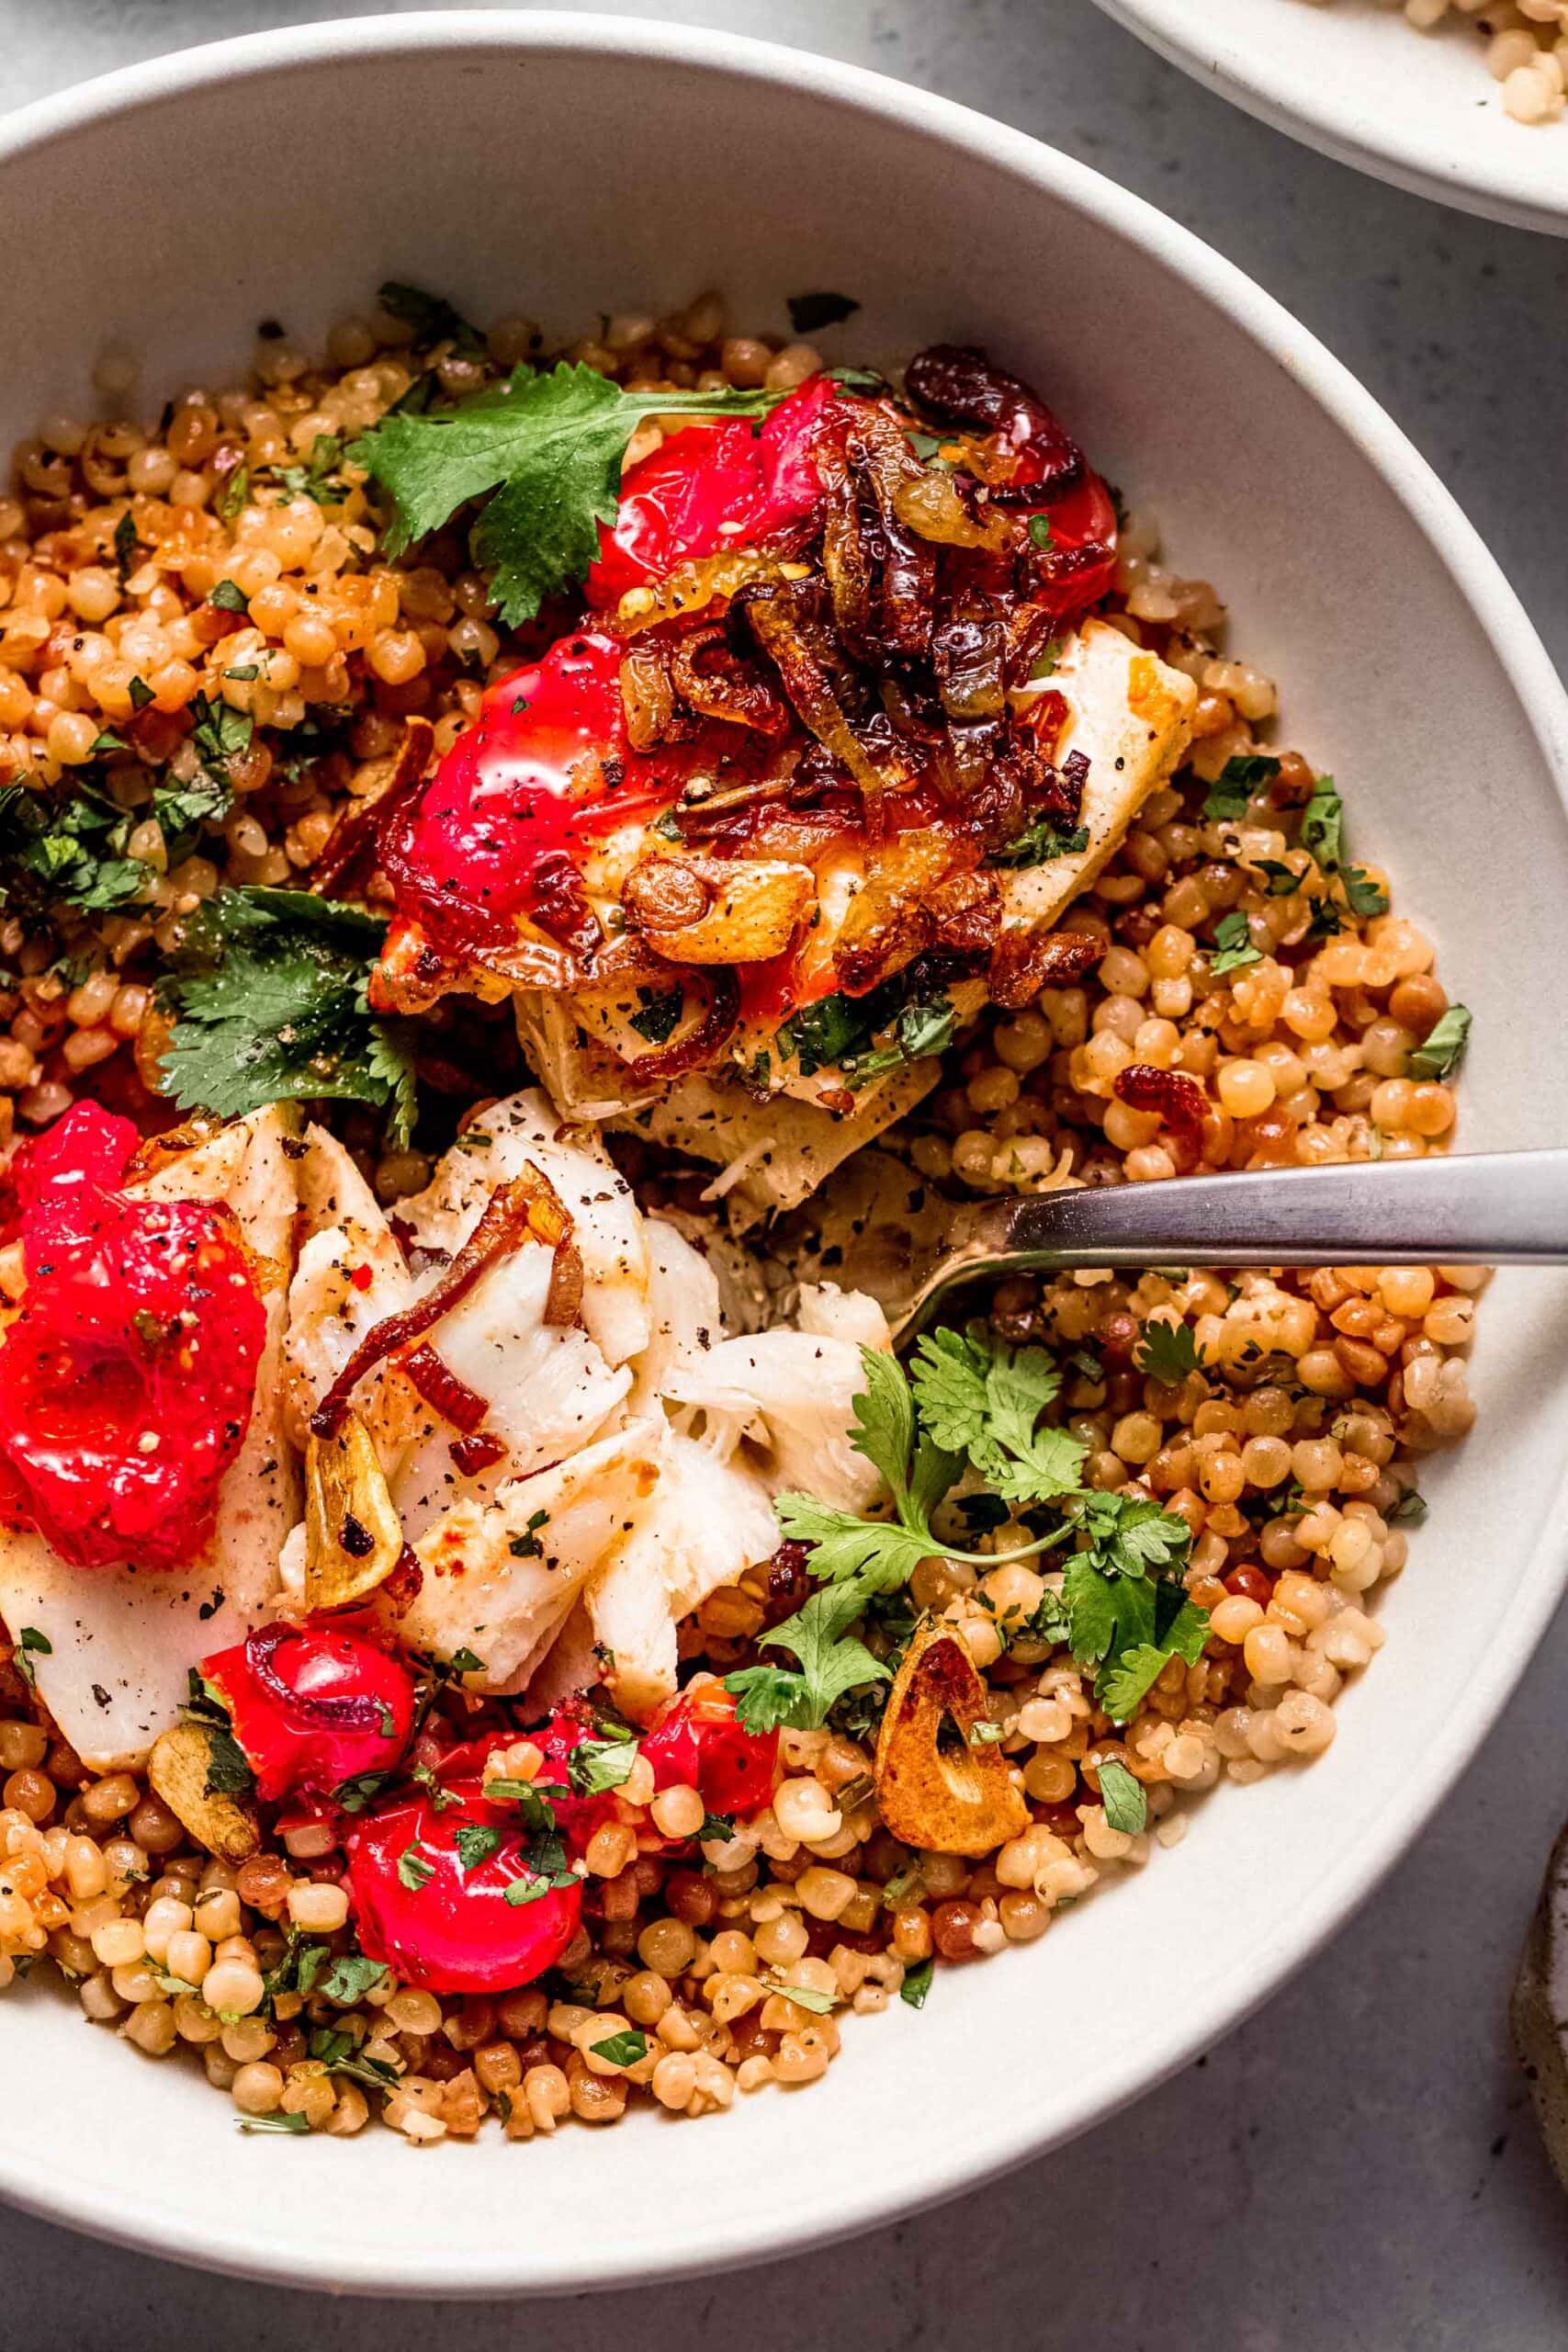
(1491, 1208)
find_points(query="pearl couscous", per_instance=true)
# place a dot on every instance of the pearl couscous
(722, 1878)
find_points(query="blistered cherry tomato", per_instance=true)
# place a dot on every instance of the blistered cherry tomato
(712, 487)
(313, 1705)
(697, 1743)
(127, 1378)
(1080, 563)
(445, 1892)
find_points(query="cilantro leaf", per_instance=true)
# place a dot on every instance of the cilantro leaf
(1239, 779)
(349, 1979)
(1167, 1352)
(431, 316)
(659, 1014)
(846, 1549)
(548, 445)
(1322, 824)
(1233, 944)
(832, 1662)
(475, 1842)
(1362, 895)
(414, 1867)
(596, 1766)
(1440, 1055)
(917, 1983)
(66, 849)
(804, 1996)
(1126, 1807)
(1041, 841)
(980, 1397)
(267, 988)
(1127, 1682)
(628, 2048)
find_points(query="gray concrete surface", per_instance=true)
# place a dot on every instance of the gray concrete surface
(1358, 2165)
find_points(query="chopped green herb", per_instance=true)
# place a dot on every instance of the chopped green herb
(596, 1766)
(475, 1842)
(809, 313)
(431, 316)
(804, 1996)
(276, 2123)
(1040, 531)
(1233, 944)
(1126, 1808)
(340, 2054)
(67, 848)
(127, 546)
(1039, 843)
(716, 1828)
(1362, 895)
(107, 742)
(657, 1020)
(1410, 1511)
(626, 2049)
(1441, 1054)
(414, 1867)
(231, 499)
(31, 1643)
(140, 694)
(527, 1546)
(361, 1789)
(1323, 825)
(917, 1983)
(229, 597)
(349, 1979)
(1279, 880)
(1239, 780)
(464, 1662)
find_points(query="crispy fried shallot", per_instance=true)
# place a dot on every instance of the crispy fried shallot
(1023, 962)
(529, 1204)
(958, 385)
(353, 846)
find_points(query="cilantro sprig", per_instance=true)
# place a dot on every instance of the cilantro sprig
(268, 990)
(544, 450)
(972, 1406)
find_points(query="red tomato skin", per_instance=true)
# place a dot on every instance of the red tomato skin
(1084, 518)
(697, 1743)
(456, 1932)
(673, 504)
(291, 1751)
(128, 1379)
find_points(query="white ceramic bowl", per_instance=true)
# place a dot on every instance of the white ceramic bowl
(1352, 80)
(566, 164)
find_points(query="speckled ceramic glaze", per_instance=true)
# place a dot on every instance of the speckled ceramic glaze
(565, 165)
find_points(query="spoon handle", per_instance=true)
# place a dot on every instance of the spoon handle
(1487, 1208)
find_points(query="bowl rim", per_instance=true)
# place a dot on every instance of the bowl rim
(1424, 160)
(246, 2244)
